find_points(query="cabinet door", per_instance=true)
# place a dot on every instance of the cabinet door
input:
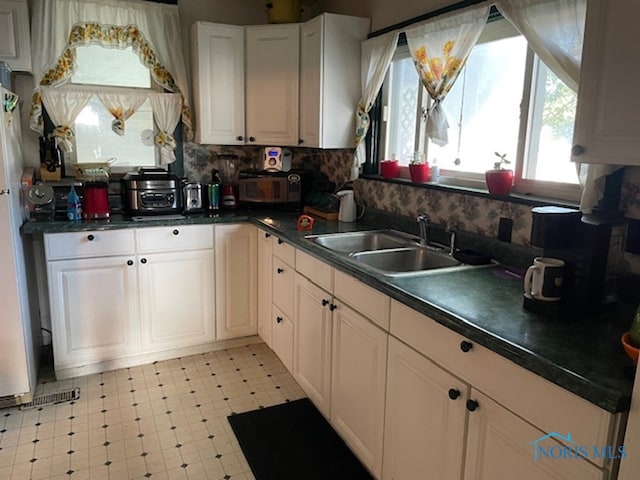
(358, 382)
(311, 39)
(283, 337)
(265, 298)
(218, 81)
(283, 290)
(607, 128)
(176, 299)
(272, 69)
(500, 446)
(312, 346)
(236, 281)
(15, 41)
(93, 309)
(425, 418)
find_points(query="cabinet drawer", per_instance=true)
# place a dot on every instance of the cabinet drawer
(98, 243)
(177, 238)
(283, 337)
(364, 299)
(283, 288)
(284, 251)
(541, 402)
(315, 270)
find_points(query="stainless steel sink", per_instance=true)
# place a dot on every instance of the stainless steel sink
(401, 261)
(353, 242)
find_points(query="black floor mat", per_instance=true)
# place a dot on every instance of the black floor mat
(293, 441)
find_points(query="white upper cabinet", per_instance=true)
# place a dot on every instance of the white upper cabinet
(607, 129)
(330, 79)
(15, 38)
(218, 83)
(272, 71)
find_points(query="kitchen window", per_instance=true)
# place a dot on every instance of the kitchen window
(94, 139)
(505, 100)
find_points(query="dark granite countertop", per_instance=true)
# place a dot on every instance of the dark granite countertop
(582, 355)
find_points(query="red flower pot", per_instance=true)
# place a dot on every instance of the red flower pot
(499, 182)
(389, 168)
(419, 172)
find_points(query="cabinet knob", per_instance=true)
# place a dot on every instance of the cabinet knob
(91, 238)
(143, 260)
(472, 405)
(454, 393)
(279, 319)
(332, 307)
(280, 241)
(465, 346)
(239, 138)
(577, 150)
(325, 302)
(252, 139)
(129, 262)
(267, 235)
(280, 270)
(176, 232)
(300, 141)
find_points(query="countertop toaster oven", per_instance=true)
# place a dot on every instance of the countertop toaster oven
(152, 192)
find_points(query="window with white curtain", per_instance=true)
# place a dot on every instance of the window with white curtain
(94, 139)
(505, 100)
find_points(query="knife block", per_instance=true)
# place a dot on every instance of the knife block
(47, 176)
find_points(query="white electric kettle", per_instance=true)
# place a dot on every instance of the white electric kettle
(347, 212)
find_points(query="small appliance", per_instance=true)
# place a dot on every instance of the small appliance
(95, 201)
(277, 159)
(40, 203)
(152, 191)
(193, 197)
(228, 172)
(286, 189)
(347, 212)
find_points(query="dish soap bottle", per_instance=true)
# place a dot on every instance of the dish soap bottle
(74, 208)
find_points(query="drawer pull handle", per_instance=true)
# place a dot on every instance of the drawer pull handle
(465, 346)
(332, 307)
(280, 270)
(325, 302)
(252, 139)
(176, 232)
(279, 319)
(472, 405)
(239, 138)
(129, 262)
(267, 235)
(143, 260)
(454, 393)
(280, 242)
(91, 238)
(577, 150)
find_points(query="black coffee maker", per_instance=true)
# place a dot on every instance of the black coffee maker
(591, 246)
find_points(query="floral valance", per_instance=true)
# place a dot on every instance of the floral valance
(65, 104)
(151, 30)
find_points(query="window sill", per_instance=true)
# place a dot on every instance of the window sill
(531, 200)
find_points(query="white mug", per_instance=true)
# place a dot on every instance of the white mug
(544, 279)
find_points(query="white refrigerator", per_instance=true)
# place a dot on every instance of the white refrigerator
(18, 367)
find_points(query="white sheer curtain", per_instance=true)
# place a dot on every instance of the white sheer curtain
(153, 30)
(63, 107)
(377, 53)
(554, 29)
(166, 112)
(439, 48)
(122, 107)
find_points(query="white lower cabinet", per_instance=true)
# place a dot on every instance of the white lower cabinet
(358, 373)
(425, 418)
(236, 280)
(265, 287)
(94, 309)
(312, 359)
(176, 299)
(282, 337)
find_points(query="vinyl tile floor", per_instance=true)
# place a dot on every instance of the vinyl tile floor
(162, 421)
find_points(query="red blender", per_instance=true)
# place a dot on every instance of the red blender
(95, 196)
(228, 171)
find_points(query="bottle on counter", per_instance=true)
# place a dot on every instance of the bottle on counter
(74, 207)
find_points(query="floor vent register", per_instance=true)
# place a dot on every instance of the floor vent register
(52, 399)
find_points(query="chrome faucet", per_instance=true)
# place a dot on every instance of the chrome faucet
(423, 222)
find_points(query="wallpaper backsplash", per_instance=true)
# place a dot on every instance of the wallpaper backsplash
(462, 212)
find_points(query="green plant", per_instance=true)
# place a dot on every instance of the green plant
(503, 160)
(417, 158)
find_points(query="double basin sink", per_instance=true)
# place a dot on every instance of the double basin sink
(389, 252)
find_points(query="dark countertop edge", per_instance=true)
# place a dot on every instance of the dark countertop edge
(606, 398)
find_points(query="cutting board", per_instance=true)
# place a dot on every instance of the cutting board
(321, 212)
